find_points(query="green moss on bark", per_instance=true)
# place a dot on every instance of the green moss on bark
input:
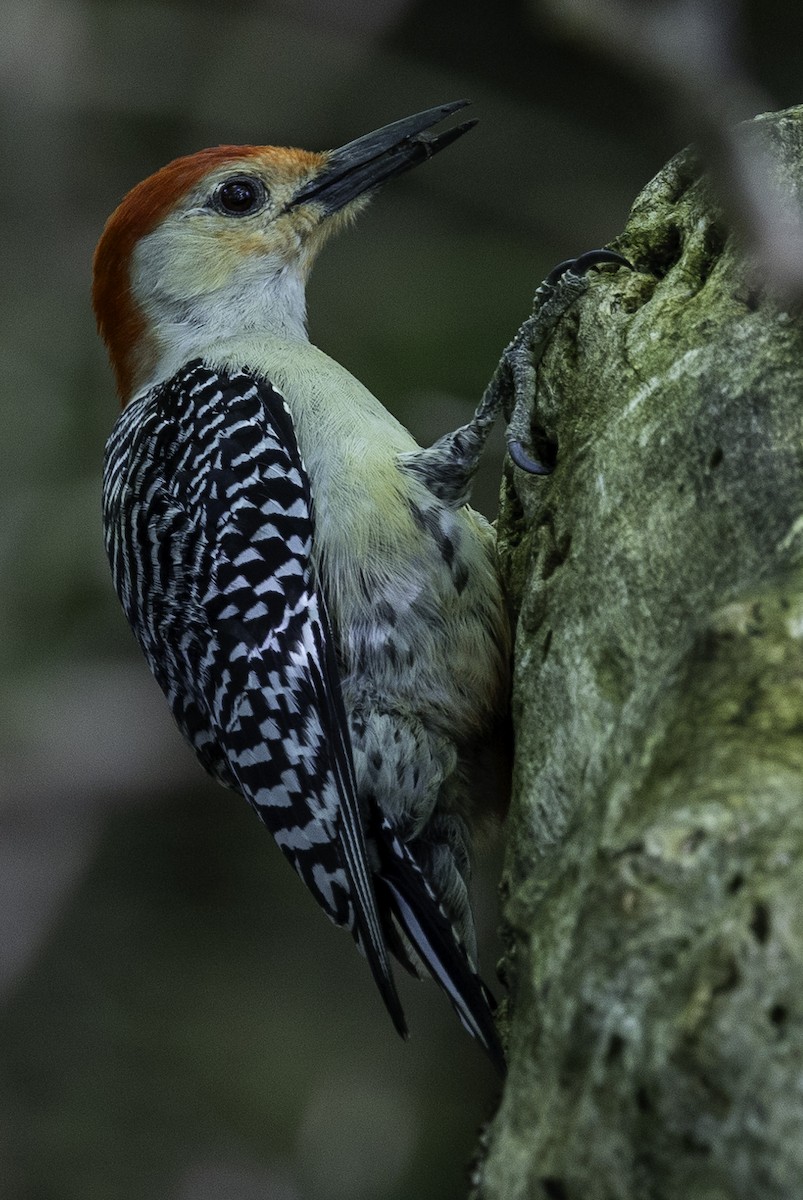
(654, 877)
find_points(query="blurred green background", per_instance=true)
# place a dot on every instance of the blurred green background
(177, 1020)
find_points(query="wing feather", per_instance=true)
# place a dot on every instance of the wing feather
(210, 530)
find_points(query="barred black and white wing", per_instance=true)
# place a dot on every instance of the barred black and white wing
(209, 526)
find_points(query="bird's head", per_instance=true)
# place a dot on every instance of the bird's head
(221, 242)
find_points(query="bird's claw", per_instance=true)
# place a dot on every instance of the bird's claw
(523, 460)
(576, 267)
(584, 263)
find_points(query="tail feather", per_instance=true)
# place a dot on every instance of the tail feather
(414, 906)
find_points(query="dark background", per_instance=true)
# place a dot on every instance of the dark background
(177, 1020)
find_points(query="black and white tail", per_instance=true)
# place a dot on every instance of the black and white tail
(403, 892)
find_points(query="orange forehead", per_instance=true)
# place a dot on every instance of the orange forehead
(119, 321)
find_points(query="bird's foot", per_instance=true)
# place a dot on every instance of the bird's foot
(561, 288)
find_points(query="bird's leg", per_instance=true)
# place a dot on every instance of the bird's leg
(447, 467)
(562, 286)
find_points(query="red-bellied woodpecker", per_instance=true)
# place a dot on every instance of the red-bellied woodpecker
(313, 595)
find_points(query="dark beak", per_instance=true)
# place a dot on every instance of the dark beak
(369, 161)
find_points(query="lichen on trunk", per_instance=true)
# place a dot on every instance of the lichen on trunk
(653, 887)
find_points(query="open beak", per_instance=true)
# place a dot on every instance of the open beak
(364, 164)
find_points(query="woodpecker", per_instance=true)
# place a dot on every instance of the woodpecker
(310, 588)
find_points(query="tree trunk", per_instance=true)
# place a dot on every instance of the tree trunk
(653, 886)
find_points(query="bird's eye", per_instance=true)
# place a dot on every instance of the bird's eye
(239, 196)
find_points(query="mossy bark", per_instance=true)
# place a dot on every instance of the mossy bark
(653, 883)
